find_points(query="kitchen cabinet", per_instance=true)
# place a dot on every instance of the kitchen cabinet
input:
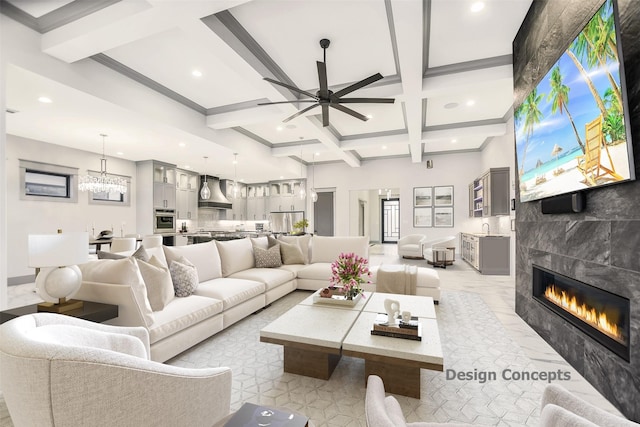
(284, 196)
(487, 254)
(237, 198)
(187, 195)
(489, 194)
(257, 197)
(155, 189)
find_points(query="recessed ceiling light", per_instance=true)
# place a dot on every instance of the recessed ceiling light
(281, 177)
(182, 144)
(279, 128)
(120, 153)
(291, 126)
(470, 103)
(187, 167)
(384, 147)
(370, 116)
(45, 100)
(450, 105)
(317, 154)
(453, 141)
(196, 73)
(477, 6)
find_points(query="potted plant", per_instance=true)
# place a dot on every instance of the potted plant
(300, 226)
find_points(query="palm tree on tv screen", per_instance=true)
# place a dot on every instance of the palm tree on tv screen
(532, 117)
(559, 97)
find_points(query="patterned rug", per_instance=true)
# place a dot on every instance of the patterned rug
(475, 345)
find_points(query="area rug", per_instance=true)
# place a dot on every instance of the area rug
(489, 367)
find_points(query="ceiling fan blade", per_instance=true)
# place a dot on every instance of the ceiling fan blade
(322, 77)
(288, 102)
(356, 86)
(299, 113)
(325, 115)
(293, 88)
(365, 100)
(349, 111)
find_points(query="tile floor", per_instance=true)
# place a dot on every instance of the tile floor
(480, 331)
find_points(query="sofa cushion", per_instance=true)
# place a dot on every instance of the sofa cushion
(235, 255)
(184, 277)
(291, 253)
(182, 313)
(317, 271)
(82, 337)
(302, 241)
(294, 268)
(328, 249)
(203, 255)
(123, 272)
(271, 277)
(230, 291)
(260, 242)
(158, 252)
(139, 253)
(267, 258)
(158, 281)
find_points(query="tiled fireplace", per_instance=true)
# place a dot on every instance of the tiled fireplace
(602, 315)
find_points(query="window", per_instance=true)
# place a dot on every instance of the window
(47, 182)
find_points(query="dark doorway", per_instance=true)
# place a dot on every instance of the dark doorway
(390, 220)
(323, 214)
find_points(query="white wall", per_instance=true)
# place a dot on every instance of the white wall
(29, 217)
(449, 169)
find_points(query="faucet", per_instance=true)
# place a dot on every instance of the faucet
(488, 227)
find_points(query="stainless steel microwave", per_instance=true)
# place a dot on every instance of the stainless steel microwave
(164, 221)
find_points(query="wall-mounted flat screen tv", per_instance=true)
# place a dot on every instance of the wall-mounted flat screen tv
(572, 130)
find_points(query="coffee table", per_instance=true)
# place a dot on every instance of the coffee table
(315, 336)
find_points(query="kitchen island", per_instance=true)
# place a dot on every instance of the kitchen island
(487, 253)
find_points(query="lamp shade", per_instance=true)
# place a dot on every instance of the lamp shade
(58, 250)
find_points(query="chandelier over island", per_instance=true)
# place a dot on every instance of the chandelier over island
(102, 183)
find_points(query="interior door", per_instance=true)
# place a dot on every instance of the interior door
(323, 213)
(390, 220)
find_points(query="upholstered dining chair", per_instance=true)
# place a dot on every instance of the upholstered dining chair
(152, 241)
(123, 244)
(58, 370)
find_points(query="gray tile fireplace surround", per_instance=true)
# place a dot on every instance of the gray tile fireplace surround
(599, 246)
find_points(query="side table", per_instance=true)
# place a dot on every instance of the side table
(440, 257)
(93, 311)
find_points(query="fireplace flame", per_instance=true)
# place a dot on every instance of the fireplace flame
(582, 311)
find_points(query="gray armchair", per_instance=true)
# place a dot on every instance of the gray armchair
(58, 370)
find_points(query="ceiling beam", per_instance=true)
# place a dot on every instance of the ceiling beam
(408, 27)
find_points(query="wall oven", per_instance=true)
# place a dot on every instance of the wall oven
(164, 221)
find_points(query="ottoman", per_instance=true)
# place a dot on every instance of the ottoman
(427, 280)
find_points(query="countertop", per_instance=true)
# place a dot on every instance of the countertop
(486, 235)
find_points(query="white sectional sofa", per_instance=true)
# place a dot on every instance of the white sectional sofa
(229, 286)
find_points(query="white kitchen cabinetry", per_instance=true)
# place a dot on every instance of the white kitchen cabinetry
(187, 195)
(257, 197)
(487, 254)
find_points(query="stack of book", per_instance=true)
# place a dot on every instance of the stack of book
(408, 330)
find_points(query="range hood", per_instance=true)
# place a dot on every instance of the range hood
(217, 199)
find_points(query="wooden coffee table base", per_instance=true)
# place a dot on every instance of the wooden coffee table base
(306, 359)
(315, 364)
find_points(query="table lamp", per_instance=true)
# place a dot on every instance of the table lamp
(59, 278)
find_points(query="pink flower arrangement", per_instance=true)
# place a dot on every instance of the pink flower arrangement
(348, 271)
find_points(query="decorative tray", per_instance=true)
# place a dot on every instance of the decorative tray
(336, 299)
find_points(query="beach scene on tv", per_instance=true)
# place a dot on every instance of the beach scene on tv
(570, 130)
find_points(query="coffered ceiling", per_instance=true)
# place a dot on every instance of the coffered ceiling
(448, 68)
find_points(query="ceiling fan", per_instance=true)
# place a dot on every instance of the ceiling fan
(326, 98)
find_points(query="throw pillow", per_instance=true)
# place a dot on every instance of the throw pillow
(267, 258)
(291, 253)
(271, 241)
(302, 241)
(158, 281)
(184, 276)
(140, 253)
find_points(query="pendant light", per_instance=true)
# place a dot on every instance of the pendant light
(314, 195)
(103, 183)
(302, 193)
(205, 193)
(235, 176)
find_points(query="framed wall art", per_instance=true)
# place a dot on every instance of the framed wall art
(422, 217)
(422, 196)
(443, 217)
(443, 196)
